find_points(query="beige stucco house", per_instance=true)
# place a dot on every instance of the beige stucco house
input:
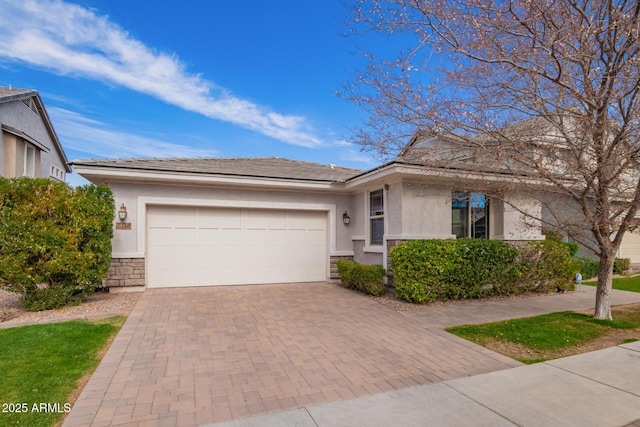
(227, 221)
(29, 145)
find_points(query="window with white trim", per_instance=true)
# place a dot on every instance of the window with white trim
(470, 215)
(376, 217)
(29, 160)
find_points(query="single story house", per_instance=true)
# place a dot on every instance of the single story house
(29, 145)
(232, 221)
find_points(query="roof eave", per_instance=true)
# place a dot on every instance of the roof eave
(101, 174)
(398, 170)
(18, 96)
(52, 132)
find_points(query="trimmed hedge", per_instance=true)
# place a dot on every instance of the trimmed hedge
(429, 270)
(621, 265)
(557, 237)
(543, 266)
(573, 247)
(588, 267)
(55, 241)
(363, 277)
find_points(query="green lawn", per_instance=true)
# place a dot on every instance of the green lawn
(40, 366)
(631, 284)
(547, 333)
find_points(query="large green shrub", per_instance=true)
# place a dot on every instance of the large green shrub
(545, 265)
(588, 267)
(556, 236)
(574, 248)
(427, 270)
(621, 265)
(53, 237)
(363, 277)
(346, 272)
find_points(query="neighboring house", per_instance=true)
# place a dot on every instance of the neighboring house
(630, 246)
(29, 145)
(202, 222)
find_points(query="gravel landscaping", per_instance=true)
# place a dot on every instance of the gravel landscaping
(100, 304)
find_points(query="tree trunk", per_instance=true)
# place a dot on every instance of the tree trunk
(603, 292)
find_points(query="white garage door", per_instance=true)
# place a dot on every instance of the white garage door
(197, 246)
(630, 246)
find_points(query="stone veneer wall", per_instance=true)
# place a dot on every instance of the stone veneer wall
(125, 272)
(333, 268)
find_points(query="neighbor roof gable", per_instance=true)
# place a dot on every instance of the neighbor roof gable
(8, 94)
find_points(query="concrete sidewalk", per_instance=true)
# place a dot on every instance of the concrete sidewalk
(599, 389)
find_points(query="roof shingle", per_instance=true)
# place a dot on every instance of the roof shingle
(9, 94)
(259, 167)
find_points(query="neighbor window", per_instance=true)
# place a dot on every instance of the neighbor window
(470, 215)
(29, 161)
(376, 217)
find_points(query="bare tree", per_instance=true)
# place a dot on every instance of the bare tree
(545, 90)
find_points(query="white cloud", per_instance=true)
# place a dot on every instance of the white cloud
(70, 39)
(350, 154)
(96, 139)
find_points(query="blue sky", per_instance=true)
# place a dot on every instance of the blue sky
(192, 78)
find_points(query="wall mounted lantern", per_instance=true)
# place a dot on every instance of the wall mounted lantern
(345, 218)
(122, 213)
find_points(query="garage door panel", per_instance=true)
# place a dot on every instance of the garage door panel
(307, 220)
(297, 273)
(160, 237)
(316, 255)
(266, 219)
(276, 237)
(297, 238)
(160, 257)
(219, 218)
(208, 236)
(274, 275)
(184, 276)
(207, 256)
(208, 276)
(184, 236)
(160, 277)
(317, 238)
(165, 216)
(296, 256)
(231, 237)
(196, 246)
(184, 258)
(256, 237)
(256, 275)
(277, 258)
(231, 257)
(231, 276)
(257, 256)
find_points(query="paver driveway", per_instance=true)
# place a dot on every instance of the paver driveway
(200, 355)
